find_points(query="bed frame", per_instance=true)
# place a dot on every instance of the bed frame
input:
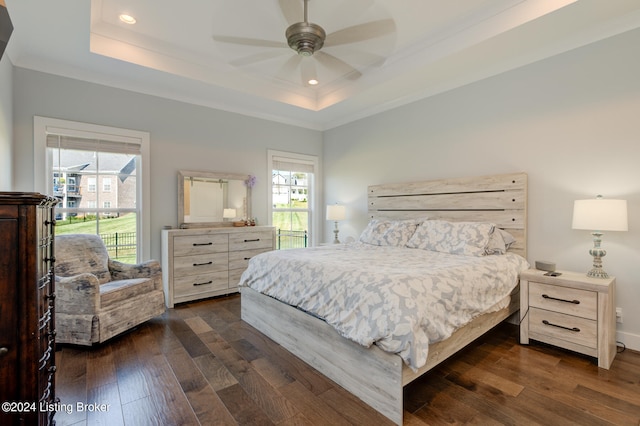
(375, 376)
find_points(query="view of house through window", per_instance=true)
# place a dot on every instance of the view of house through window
(98, 189)
(291, 196)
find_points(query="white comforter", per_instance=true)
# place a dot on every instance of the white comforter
(398, 298)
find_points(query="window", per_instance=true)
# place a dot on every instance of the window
(293, 187)
(100, 176)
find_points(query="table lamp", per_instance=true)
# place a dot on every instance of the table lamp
(228, 213)
(599, 215)
(336, 213)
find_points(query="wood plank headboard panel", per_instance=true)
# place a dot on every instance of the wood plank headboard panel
(499, 199)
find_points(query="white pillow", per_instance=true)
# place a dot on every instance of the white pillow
(499, 242)
(382, 232)
(465, 238)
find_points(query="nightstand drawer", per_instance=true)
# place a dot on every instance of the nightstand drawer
(569, 328)
(571, 301)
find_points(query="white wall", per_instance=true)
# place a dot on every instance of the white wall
(183, 137)
(571, 122)
(6, 122)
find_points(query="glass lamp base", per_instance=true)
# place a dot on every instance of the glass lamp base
(597, 273)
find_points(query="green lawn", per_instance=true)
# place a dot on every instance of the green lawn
(291, 221)
(125, 224)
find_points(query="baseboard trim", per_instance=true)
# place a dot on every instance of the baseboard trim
(630, 340)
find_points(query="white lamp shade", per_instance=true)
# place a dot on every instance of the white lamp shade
(600, 215)
(336, 212)
(228, 213)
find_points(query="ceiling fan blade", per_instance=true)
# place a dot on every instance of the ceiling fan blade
(289, 67)
(292, 10)
(338, 65)
(361, 32)
(257, 57)
(249, 41)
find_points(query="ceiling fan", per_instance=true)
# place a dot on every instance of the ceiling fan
(307, 39)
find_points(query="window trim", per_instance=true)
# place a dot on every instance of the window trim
(314, 210)
(42, 170)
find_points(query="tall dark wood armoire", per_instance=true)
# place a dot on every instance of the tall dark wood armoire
(27, 329)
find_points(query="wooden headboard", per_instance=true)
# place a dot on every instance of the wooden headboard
(499, 199)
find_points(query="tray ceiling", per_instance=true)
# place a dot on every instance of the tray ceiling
(180, 50)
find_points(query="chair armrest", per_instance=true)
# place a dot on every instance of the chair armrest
(79, 294)
(149, 269)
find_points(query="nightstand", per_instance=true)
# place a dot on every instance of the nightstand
(571, 311)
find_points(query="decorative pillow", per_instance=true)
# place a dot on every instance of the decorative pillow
(500, 242)
(381, 232)
(465, 238)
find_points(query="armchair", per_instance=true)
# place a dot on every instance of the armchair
(97, 297)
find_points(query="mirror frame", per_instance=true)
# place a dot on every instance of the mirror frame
(182, 174)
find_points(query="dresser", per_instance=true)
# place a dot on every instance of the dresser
(571, 311)
(206, 262)
(27, 329)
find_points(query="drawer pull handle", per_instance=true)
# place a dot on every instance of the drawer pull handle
(202, 244)
(203, 264)
(575, 302)
(252, 241)
(208, 282)
(247, 258)
(576, 329)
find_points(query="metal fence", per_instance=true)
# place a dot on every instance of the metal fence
(120, 243)
(286, 239)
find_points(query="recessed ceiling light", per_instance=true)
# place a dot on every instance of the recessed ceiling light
(127, 19)
(313, 82)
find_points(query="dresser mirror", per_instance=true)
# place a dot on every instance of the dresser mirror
(208, 199)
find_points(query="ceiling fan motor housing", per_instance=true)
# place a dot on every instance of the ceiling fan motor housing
(306, 38)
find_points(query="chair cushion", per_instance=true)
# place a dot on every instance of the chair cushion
(80, 253)
(116, 291)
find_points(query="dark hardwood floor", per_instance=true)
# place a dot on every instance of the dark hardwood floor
(200, 364)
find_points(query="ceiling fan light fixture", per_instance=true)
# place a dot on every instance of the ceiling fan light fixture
(305, 38)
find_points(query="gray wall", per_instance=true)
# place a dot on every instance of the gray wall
(571, 122)
(6, 122)
(183, 136)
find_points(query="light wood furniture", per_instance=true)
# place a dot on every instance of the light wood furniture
(571, 311)
(27, 326)
(375, 376)
(206, 262)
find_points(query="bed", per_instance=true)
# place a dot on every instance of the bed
(372, 374)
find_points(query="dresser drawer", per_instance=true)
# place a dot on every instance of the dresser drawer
(571, 301)
(240, 259)
(580, 331)
(199, 244)
(204, 263)
(200, 283)
(251, 240)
